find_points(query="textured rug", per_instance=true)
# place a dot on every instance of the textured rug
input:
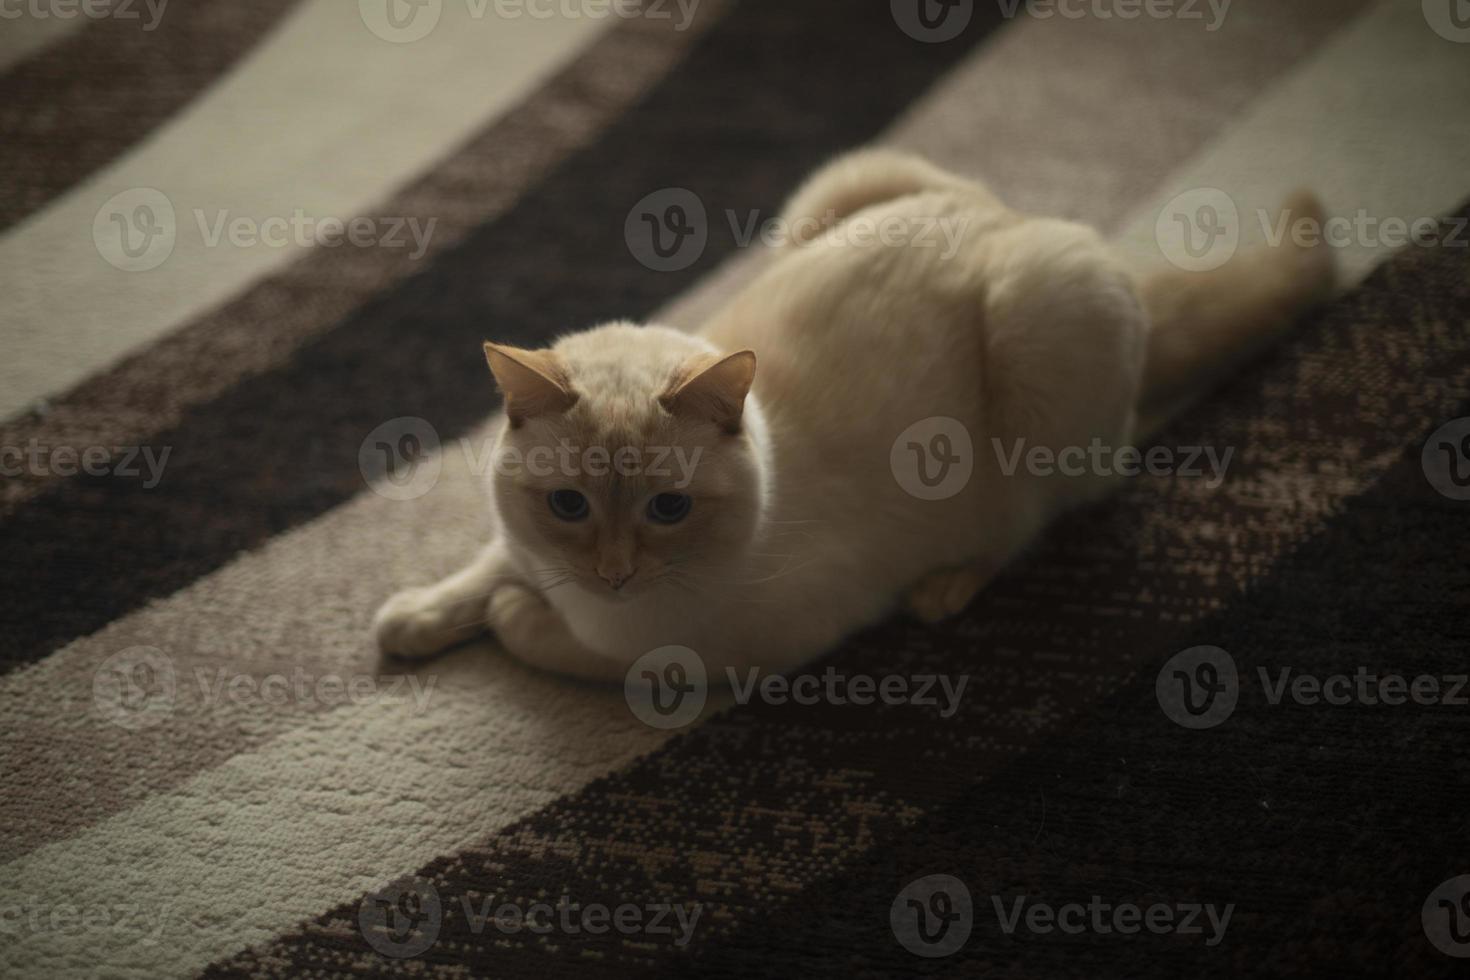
(1208, 727)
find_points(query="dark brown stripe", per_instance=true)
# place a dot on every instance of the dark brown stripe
(262, 328)
(795, 827)
(282, 447)
(78, 104)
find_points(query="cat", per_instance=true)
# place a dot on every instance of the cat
(792, 527)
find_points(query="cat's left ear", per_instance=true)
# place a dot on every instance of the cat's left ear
(532, 381)
(713, 389)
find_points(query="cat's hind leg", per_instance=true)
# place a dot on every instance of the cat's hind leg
(422, 621)
(861, 179)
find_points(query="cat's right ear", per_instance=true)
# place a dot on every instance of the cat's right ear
(532, 381)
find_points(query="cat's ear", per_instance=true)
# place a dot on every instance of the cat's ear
(532, 381)
(713, 388)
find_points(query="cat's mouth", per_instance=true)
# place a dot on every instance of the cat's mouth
(629, 588)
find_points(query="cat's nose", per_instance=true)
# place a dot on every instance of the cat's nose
(616, 578)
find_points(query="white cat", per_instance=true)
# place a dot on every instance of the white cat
(787, 524)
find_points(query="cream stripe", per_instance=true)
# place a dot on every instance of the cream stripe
(1378, 123)
(321, 581)
(323, 118)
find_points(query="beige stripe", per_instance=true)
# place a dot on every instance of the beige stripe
(1378, 124)
(323, 119)
(319, 584)
(266, 324)
(25, 35)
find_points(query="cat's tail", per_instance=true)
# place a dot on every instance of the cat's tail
(1206, 324)
(860, 179)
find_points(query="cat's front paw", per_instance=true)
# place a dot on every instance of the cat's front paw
(415, 623)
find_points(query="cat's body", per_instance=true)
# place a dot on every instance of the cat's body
(802, 526)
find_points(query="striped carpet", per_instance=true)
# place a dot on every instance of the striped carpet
(208, 771)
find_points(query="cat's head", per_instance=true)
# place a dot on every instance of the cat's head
(630, 457)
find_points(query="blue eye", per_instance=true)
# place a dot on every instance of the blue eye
(568, 505)
(669, 508)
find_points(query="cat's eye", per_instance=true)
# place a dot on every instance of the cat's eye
(568, 505)
(669, 508)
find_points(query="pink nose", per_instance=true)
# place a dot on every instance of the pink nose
(616, 579)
